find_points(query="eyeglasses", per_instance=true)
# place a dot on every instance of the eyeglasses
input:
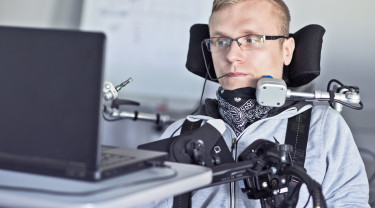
(246, 43)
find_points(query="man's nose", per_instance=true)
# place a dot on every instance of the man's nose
(234, 52)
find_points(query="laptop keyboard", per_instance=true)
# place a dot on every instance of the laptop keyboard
(108, 159)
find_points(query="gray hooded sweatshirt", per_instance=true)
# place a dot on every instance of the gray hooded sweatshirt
(332, 157)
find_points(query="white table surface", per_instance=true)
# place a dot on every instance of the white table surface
(26, 190)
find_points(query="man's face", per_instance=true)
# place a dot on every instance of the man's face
(247, 67)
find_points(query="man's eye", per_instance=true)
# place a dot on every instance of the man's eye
(253, 40)
(221, 43)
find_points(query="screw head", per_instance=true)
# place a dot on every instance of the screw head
(274, 182)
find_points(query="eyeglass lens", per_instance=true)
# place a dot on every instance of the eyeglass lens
(246, 43)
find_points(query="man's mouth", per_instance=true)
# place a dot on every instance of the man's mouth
(236, 74)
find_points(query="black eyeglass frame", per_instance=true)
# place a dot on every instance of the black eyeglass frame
(207, 41)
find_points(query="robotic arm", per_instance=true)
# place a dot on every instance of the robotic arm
(270, 92)
(110, 93)
(273, 92)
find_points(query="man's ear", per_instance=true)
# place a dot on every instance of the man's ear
(288, 49)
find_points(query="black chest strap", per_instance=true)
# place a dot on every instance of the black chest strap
(184, 200)
(297, 134)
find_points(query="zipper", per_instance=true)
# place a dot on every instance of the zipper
(234, 155)
(233, 184)
(234, 149)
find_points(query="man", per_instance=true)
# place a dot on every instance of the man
(249, 39)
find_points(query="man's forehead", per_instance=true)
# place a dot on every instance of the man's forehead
(226, 33)
(235, 21)
(247, 17)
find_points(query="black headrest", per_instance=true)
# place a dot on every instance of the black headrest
(304, 68)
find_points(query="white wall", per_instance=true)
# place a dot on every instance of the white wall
(148, 41)
(41, 13)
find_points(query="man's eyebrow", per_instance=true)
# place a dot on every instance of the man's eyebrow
(245, 32)
(249, 32)
(218, 34)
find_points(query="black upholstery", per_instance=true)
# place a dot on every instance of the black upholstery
(304, 68)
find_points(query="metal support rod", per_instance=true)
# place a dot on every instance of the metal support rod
(348, 97)
(135, 115)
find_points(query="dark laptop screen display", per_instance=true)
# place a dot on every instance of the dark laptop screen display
(48, 103)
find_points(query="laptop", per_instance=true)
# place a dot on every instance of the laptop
(51, 89)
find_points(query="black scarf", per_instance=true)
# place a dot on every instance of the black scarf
(239, 108)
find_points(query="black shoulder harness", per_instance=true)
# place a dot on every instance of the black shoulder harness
(184, 200)
(296, 135)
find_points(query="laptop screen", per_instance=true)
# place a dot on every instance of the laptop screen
(50, 84)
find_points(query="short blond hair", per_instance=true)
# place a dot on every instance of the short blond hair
(279, 4)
